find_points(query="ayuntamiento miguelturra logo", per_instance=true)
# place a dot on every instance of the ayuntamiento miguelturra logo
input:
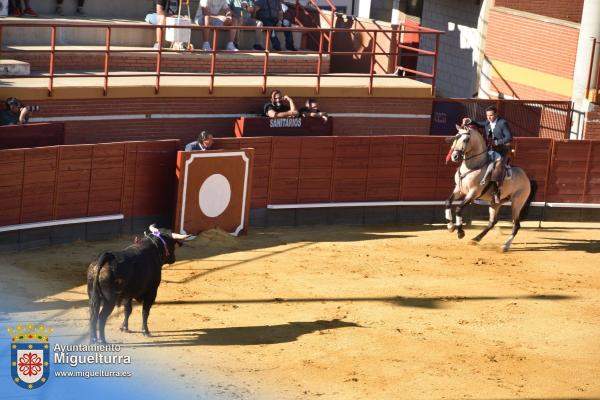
(30, 355)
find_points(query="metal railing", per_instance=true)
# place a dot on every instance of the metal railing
(593, 86)
(323, 33)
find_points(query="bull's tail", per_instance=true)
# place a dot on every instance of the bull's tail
(525, 209)
(102, 259)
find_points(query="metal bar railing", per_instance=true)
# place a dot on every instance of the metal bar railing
(51, 67)
(266, 64)
(319, 63)
(159, 59)
(107, 60)
(324, 34)
(372, 67)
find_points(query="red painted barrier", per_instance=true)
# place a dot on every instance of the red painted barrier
(138, 178)
(58, 182)
(299, 170)
(32, 135)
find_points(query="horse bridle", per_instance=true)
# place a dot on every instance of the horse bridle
(462, 151)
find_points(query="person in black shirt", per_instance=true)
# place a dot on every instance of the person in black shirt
(311, 109)
(280, 106)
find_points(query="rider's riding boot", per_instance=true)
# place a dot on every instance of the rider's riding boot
(495, 193)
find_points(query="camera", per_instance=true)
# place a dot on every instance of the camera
(32, 108)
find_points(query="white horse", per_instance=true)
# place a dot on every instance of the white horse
(470, 148)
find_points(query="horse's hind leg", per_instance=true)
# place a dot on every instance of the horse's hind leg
(518, 202)
(494, 213)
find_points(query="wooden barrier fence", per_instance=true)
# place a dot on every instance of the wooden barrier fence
(60, 182)
(138, 178)
(298, 170)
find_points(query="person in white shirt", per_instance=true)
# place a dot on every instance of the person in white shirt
(215, 13)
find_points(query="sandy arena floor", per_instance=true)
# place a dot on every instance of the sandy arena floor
(338, 312)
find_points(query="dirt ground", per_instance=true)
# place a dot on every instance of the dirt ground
(340, 312)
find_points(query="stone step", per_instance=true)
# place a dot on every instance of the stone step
(14, 68)
(67, 58)
(100, 9)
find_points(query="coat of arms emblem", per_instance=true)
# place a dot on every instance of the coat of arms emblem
(30, 355)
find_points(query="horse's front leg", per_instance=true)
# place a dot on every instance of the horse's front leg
(459, 209)
(448, 211)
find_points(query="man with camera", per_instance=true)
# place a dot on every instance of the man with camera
(16, 113)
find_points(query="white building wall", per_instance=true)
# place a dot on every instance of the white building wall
(459, 49)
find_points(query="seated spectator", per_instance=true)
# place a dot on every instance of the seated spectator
(280, 106)
(204, 142)
(78, 11)
(215, 13)
(16, 113)
(242, 12)
(17, 11)
(270, 13)
(163, 9)
(311, 109)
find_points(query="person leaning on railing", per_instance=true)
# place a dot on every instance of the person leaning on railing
(16, 113)
(311, 109)
(280, 106)
(215, 13)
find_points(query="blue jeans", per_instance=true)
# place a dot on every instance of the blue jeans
(289, 39)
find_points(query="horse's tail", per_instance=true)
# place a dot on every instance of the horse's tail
(532, 192)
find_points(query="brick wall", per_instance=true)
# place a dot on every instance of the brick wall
(543, 47)
(568, 10)
(186, 129)
(592, 124)
(178, 62)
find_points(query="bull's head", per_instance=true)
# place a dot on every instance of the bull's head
(169, 240)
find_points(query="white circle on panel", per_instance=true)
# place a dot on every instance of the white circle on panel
(214, 195)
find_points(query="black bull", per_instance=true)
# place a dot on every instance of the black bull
(117, 277)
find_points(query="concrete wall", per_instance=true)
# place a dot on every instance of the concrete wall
(459, 47)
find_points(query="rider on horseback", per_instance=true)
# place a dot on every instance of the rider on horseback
(498, 138)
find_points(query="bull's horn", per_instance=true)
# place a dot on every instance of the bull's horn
(153, 228)
(179, 236)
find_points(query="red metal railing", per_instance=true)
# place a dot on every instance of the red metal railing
(593, 86)
(324, 33)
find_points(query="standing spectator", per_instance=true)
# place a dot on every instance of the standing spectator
(270, 13)
(242, 12)
(204, 142)
(79, 11)
(215, 13)
(311, 109)
(17, 10)
(16, 113)
(280, 106)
